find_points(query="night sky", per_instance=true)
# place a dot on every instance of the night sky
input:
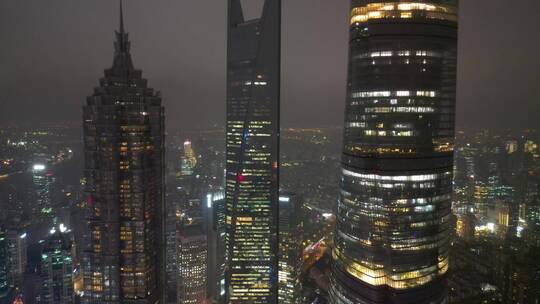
(52, 53)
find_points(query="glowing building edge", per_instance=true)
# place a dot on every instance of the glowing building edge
(377, 276)
(404, 10)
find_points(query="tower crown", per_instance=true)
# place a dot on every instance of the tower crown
(122, 64)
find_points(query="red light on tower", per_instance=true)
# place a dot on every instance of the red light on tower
(241, 177)
(89, 200)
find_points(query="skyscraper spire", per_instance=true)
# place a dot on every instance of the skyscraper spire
(123, 131)
(236, 14)
(121, 17)
(123, 64)
(122, 37)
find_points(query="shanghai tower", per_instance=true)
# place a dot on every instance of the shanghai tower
(393, 228)
(253, 94)
(124, 148)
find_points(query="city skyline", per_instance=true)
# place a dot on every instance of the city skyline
(310, 187)
(169, 47)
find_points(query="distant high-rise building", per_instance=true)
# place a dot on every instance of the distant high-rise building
(4, 283)
(253, 94)
(16, 256)
(189, 160)
(42, 179)
(511, 146)
(465, 226)
(12, 208)
(215, 247)
(394, 218)
(192, 262)
(124, 158)
(57, 270)
(533, 223)
(175, 199)
(481, 194)
(290, 248)
(530, 147)
(216, 232)
(507, 219)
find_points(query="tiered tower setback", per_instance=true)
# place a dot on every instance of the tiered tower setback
(124, 151)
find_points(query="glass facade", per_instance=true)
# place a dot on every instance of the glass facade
(57, 270)
(192, 262)
(175, 199)
(4, 284)
(252, 154)
(43, 181)
(393, 220)
(216, 245)
(124, 148)
(290, 248)
(17, 248)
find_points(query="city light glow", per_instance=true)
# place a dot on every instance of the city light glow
(38, 167)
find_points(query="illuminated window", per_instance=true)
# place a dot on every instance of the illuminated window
(405, 10)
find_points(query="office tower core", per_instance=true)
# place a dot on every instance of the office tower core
(393, 220)
(124, 146)
(253, 94)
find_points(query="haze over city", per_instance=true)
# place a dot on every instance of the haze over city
(269, 151)
(53, 50)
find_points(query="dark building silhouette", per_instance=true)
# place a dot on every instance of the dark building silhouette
(4, 284)
(214, 224)
(176, 198)
(253, 91)
(124, 148)
(17, 256)
(394, 217)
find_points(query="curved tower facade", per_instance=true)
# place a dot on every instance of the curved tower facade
(393, 228)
